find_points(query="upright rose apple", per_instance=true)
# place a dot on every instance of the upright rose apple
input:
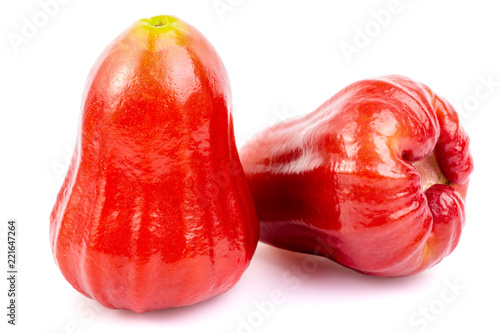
(374, 179)
(129, 228)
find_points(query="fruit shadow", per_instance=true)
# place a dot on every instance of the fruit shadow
(323, 277)
(175, 316)
(312, 276)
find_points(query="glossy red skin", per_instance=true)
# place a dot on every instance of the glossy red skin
(345, 181)
(155, 211)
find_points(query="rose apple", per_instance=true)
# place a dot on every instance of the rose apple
(374, 179)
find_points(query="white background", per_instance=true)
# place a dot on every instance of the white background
(284, 59)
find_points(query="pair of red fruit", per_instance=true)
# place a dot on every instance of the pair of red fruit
(157, 210)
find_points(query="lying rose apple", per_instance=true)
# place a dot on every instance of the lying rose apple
(374, 179)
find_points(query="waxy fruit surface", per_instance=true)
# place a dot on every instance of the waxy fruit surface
(155, 211)
(374, 179)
